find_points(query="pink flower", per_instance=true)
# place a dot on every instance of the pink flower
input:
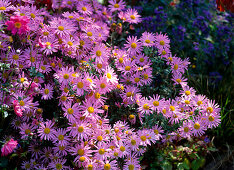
(8, 147)
(17, 109)
(18, 24)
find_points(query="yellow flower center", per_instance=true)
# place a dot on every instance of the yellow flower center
(102, 85)
(60, 137)
(134, 45)
(147, 41)
(60, 28)
(63, 98)
(21, 103)
(59, 166)
(84, 8)
(131, 117)
(80, 152)
(128, 94)
(101, 151)
(131, 167)
(66, 76)
(80, 129)
(122, 148)
(97, 95)
(27, 131)
(142, 60)
(127, 68)
(143, 138)
(186, 129)
(99, 66)
(47, 130)
(89, 34)
(107, 166)
(146, 107)
(164, 111)
(98, 53)
(156, 103)
(156, 131)
(70, 17)
(164, 52)
(70, 111)
(32, 59)
(162, 42)
(187, 93)
(108, 75)
(211, 118)
(46, 91)
(120, 60)
(196, 126)
(116, 5)
(178, 80)
(176, 66)
(146, 76)
(82, 43)
(69, 43)
(2, 8)
(199, 103)
(18, 25)
(15, 57)
(116, 154)
(172, 108)
(133, 142)
(187, 102)
(132, 17)
(90, 109)
(33, 15)
(136, 79)
(80, 85)
(82, 159)
(90, 167)
(209, 109)
(99, 138)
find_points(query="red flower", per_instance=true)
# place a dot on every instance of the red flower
(225, 5)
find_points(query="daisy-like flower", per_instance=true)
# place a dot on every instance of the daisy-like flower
(47, 92)
(60, 137)
(116, 5)
(46, 131)
(61, 150)
(102, 151)
(8, 147)
(82, 153)
(185, 130)
(198, 127)
(157, 131)
(48, 45)
(145, 137)
(132, 16)
(81, 85)
(156, 103)
(26, 165)
(58, 164)
(213, 120)
(133, 45)
(147, 39)
(162, 41)
(133, 142)
(211, 107)
(128, 67)
(15, 57)
(26, 130)
(130, 94)
(103, 86)
(142, 60)
(178, 78)
(18, 24)
(137, 79)
(123, 149)
(110, 75)
(107, 165)
(5, 5)
(147, 76)
(100, 53)
(144, 106)
(71, 112)
(64, 75)
(84, 8)
(177, 65)
(62, 27)
(132, 163)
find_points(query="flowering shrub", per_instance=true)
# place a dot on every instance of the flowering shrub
(79, 96)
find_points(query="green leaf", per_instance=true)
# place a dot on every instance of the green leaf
(166, 165)
(3, 162)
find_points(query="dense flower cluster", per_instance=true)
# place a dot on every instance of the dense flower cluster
(68, 54)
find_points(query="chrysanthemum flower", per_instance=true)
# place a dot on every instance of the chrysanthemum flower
(116, 5)
(132, 16)
(58, 164)
(144, 106)
(71, 112)
(17, 109)
(198, 128)
(132, 163)
(162, 41)
(133, 45)
(109, 165)
(46, 131)
(84, 8)
(26, 130)
(61, 137)
(102, 151)
(8, 147)
(64, 75)
(100, 53)
(147, 39)
(47, 92)
(103, 86)
(18, 24)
